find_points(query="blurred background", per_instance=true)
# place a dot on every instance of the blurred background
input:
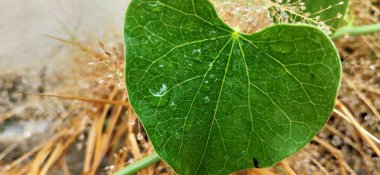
(26, 25)
(64, 109)
(45, 48)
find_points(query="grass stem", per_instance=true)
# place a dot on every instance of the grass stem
(356, 30)
(139, 165)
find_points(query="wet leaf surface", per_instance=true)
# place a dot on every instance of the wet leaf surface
(213, 100)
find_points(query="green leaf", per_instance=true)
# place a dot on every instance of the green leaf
(326, 14)
(213, 100)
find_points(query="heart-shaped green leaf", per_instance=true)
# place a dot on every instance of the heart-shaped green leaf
(213, 100)
(326, 14)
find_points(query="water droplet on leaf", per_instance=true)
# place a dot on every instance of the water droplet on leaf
(159, 97)
(206, 100)
(196, 52)
(173, 106)
(177, 136)
(156, 7)
(212, 35)
(160, 92)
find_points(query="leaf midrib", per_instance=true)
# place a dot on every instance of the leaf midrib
(196, 94)
(217, 105)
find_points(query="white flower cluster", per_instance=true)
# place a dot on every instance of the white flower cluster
(250, 16)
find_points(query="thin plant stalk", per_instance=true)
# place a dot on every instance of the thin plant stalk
(139, 165)
(351, 30)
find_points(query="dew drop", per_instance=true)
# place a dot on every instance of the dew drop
(160, 92)
(372, 67)
(109, 168)
(120, 85)
(206, 100)
(339, 15)
(196, 52)
(156, 7)
(140, 136)
(177, 136)
(160, 98)
(172, 106)
(132, 122)
(367, 118)
(346, 36)
(153, 4)
(212, 35)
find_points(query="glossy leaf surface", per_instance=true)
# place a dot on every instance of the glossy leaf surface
(213, 100)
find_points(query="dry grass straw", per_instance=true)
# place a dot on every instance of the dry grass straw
(104, 120)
